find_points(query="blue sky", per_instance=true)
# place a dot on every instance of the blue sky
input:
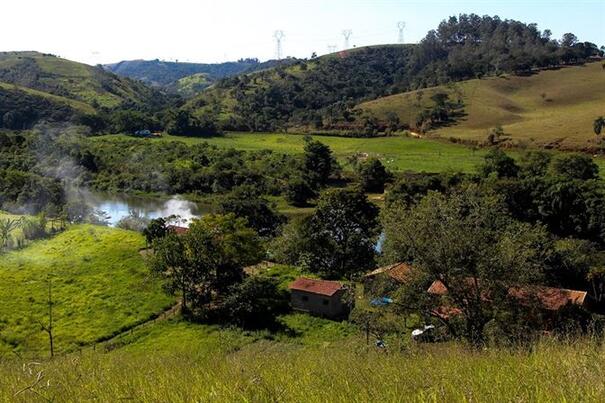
(213, 31)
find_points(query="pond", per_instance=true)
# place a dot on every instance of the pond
(115, 207)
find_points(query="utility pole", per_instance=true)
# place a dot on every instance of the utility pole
(401, 27)
(279, 36)
(48, 328)
(347, 34)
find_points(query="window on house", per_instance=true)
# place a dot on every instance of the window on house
(326, 301)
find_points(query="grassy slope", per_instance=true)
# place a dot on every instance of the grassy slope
(75, 104)
(100, 284)
(76, 81)
(193, 84)
(552, 106)
(397, 153)
(347, 372)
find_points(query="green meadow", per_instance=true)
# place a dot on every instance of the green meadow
(398, 153)
(238, 367)
(556, 107)
(100, 285)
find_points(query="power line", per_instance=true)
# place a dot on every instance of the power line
(279, 36)
(401, 27)
(347, 34)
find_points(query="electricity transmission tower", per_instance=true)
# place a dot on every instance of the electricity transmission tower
(279, 36)
(331, 48)
(347, 34)
(401, 27)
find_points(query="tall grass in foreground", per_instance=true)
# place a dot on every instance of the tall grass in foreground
(270, 371)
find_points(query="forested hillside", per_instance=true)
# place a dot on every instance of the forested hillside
(21, 107)
(320, 93)
(166, 74)
(70, 79)
(37, 87)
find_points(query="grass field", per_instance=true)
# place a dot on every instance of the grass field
(100, 284)
(264, 371)
(398, 153)
(83, 85)
(551, 107)
(77, 105)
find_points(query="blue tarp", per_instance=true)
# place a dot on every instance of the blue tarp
(381, 301)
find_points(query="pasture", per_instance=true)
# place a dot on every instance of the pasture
(100, 285)
(554, 107)
(398, 153)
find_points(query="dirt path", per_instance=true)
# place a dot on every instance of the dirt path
(114, 341)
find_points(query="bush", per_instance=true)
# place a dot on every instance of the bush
(298, 192)
(34, 229)
(254, 303)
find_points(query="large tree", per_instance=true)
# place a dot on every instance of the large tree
(373, 175)
(208, 259)
(467, 241)
(260, 214)
(319, 163)
(598, 125)
(338, 240)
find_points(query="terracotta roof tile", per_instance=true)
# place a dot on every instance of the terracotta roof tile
(321, 287)
(550, 298)
(178, 230)
(399, 271)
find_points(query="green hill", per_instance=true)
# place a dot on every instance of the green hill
(165, 74)
(76, 81)
(555, 107)
(100, 285)
(22, 107)
(191, 85)
(320, 94)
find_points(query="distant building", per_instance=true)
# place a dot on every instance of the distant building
(549, 299)
(397, 273)
(319, 297)
(178, 230)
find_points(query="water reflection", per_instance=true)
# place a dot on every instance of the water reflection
(117, 207)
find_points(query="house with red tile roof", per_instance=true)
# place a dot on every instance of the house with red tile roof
(547, 298)
(318, 297)
(399, 273)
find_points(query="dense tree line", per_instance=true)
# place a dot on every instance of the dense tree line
(39, 167)
(498, 236)
(20, 110)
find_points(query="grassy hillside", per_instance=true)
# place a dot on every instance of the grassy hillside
(168, 75)
(272, 371)
(191, 85)
(555, 107)
(397, 153)
(72, 103)
(100, 284)
(76, 81)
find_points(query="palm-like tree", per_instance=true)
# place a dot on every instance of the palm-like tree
(7, 226)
